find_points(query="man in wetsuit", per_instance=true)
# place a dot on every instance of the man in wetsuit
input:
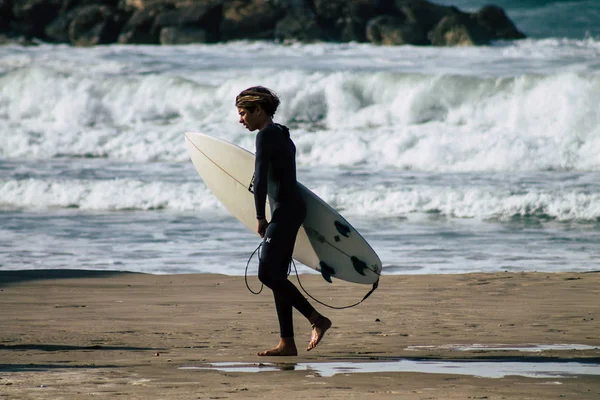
(275, 174)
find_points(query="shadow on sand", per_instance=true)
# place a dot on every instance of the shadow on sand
(62, 347)
(20, 276)
(48, 367)
(59, 347)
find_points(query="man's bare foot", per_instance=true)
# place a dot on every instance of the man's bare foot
(320, 326)
(286, 347)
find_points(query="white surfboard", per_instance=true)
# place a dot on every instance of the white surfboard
(325, 242)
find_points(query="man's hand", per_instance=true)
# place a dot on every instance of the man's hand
(262, 227)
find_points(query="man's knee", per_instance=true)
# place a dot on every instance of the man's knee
(263, 275)
(270, 275)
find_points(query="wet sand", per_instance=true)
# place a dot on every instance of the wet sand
(81, 334)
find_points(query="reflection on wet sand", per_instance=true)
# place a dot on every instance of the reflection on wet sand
(486, 369)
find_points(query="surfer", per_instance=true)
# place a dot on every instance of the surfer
(276, 157)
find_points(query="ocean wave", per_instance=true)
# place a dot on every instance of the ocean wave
(378, 201)
(473, 203)
(106, 195)
(407, 121)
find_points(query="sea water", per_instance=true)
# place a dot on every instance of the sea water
(447, 160)
(482, 369)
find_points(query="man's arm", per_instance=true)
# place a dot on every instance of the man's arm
(261, 171)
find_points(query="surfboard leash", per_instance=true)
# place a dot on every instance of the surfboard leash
(257, 250)
(328, 305)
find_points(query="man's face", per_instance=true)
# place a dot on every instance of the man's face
(251, 120)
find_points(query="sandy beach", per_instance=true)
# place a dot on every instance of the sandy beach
(80, 334)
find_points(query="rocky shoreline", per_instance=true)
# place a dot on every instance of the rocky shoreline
(167, 22)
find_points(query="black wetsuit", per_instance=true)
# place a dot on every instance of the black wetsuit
(276, 157)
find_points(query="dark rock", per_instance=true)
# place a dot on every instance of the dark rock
(5, 7)
(179, 35)
(136, 5)
(495, 21)
(480, 28)
(31, 16)
(36, 10)
(58, 30)
(86, 25)
(364, 10)
(299, 25)
(391, 22)
(250, 19)
(345, 21)
(5, 15)
(351, 30)
(4, 24)
(386, 7)
(190, 21)
(95, 25)
(68, 5)
(140, 28)
(395, 30)
(458, 29)
(358, 10)
(330, 10)
(189, 15)
(333, 19)
(408, 22)
(423, 13)
(18, 40)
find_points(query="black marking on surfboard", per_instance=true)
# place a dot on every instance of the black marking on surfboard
(251, 187)
(344, 230)
(314, 234)
(326, 271)
(359, 265)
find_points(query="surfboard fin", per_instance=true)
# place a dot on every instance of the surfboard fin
(251, 186)
(342, 229)
(359, 265)
(326, 271)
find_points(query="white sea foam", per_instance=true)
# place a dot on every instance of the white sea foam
(107, 195)
(472, 203)
(374, 200)
(406, 121)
